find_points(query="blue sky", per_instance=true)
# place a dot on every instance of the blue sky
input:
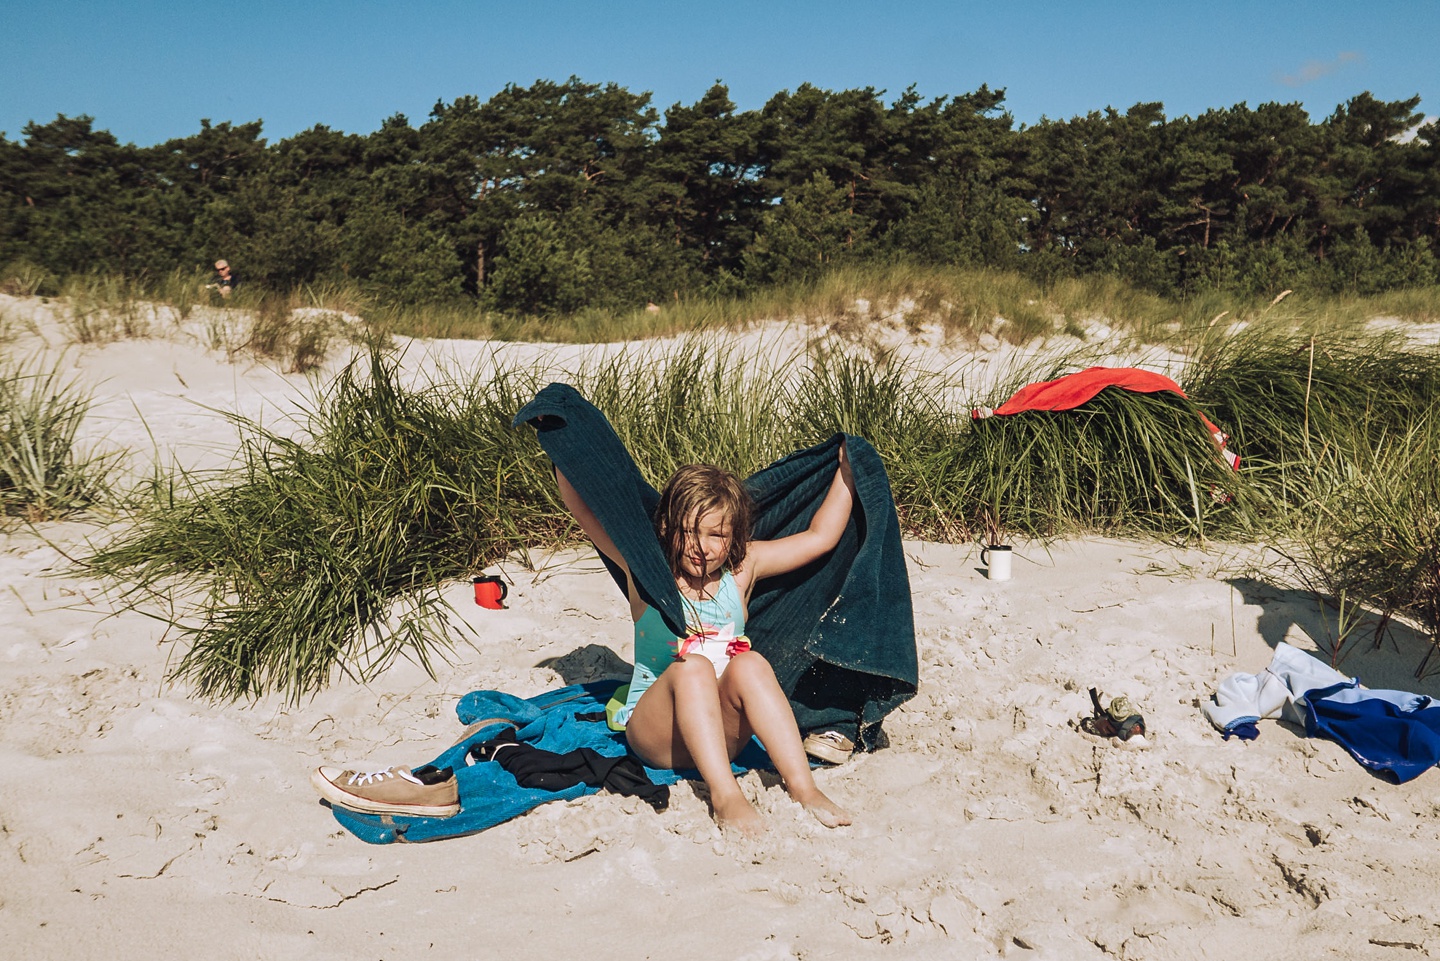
(148, 70)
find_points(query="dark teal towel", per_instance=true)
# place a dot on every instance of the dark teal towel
(840, 632)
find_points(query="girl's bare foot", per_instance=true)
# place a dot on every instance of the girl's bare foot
(826, 811)
(737, 813)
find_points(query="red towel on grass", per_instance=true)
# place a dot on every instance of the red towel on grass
(1072, 390)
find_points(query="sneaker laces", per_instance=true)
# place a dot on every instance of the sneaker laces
(359, 778)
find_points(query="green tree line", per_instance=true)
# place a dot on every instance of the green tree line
(558, 196)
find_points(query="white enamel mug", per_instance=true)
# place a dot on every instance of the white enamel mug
(996, 559)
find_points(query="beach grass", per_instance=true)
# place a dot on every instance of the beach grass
(296, 328)
(23, 278)
(1307, 411)
(1336, 423)
(299, 341)
(319, 557)
(966, 304)
(301, 556)
(43, 472)
(103, 307)
(183, 290)
(1372, 542)
(9, 326)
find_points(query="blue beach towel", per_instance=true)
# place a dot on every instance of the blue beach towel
(1394, 733)
(489, 795)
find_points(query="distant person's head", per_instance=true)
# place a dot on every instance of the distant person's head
(222, 266)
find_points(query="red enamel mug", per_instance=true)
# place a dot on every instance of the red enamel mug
(490, 591)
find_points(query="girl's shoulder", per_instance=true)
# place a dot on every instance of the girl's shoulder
(740, 577)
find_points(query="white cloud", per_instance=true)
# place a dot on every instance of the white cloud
(1409, 135)
(1313, 70)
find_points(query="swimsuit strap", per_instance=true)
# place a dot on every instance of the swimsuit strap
(725, 605)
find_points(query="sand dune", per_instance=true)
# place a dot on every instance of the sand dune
(139, 822)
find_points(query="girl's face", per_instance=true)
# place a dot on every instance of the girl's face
(706, 544)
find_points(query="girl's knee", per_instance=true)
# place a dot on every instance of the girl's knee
(749, 665)
(693, 669)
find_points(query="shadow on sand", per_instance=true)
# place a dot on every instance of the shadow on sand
(1389, 664)
(591, 662)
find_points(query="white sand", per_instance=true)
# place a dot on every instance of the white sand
(137, 822)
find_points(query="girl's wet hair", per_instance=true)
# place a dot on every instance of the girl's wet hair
(694, 491)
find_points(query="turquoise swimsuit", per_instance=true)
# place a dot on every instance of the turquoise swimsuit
(718, 627)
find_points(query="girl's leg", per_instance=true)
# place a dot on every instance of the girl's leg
(750, 693)
(679, 722)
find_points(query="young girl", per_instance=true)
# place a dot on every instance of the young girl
(695, 701)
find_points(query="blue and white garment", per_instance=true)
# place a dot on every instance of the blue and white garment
(1396, 733)
(1278, 692)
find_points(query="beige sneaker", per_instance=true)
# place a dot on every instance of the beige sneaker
(829, 746)
(395, 790)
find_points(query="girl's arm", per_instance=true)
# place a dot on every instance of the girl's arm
(768, 558)
(588, 522)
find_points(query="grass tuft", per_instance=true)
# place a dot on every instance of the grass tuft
(42, 474)
(25, 279)
(1373, 541)
(101, 308)
(300, 556)
(1307, 411)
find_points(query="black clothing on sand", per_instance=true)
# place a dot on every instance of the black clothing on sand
(548, 771)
